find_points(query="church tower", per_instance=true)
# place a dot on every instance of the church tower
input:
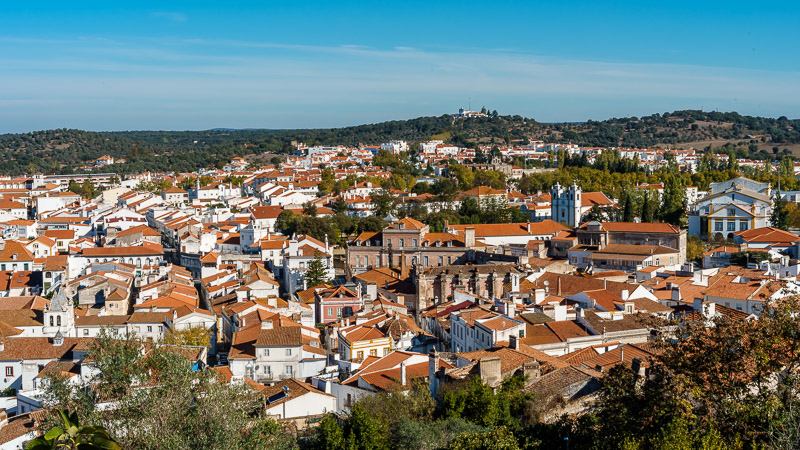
(59, 317)
(565, 204)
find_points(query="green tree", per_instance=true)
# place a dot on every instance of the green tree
(694, 248)
(595, 213)
(71, 435)
(673, 206)
(780, 214)
(491, 178)
(627, 209)
(648, 207)
(463, 175)
(310, 209)
(339, 205)
(317, 273)
(364, 432)
(328, 435)
(383, 202)
(287, 222)
(496, 439)
(161, 401)
(195, 336)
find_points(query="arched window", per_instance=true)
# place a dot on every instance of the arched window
(51, 321)
(58, 320)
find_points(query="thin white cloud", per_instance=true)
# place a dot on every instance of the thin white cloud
(170, 83)
(169, 15)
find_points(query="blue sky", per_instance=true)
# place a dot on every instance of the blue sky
(276, 64)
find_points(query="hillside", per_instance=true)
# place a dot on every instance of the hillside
(60, 150)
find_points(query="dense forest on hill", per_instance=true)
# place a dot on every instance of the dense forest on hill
(64, 149)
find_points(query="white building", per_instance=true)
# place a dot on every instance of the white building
(735, 205)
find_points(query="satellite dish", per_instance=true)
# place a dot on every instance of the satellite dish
(286, 391)
(547, 283)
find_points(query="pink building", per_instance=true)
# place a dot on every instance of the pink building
(331, 304)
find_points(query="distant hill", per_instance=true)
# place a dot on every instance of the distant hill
(64, 149)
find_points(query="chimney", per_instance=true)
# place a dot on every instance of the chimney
(709, 309)
(560, 313)
(241, 322)
(490, 370)
(622, 354)
(469, 237)
(513, 342)
(446, 225)
(676, 294)
(511, 309)
(637, 367)
(403, 379)
(532, 370)
(529, 227)
(403, 266)
(558, 292)
(625, 295)
(174, 315)
(697, 304)
(433, 364)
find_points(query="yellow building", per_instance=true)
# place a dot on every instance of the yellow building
(359, 341)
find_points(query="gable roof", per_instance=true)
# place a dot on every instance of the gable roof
(511, 229)
(634, 227)
(767, 234)
(280, 337)
(15, 251)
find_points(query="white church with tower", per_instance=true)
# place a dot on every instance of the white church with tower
(566, 204)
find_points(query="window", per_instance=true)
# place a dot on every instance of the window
(373, 352)
(52, 323)
(425, 261)
(389, 242)
(414, 242)
(339, 312)
(402, 243)
(358, 261)
(266, 352)
(742, 225)
(289, 370)
(731, 226)
(330, 312)
(718, 225)
(149, 328)
(9, 371)
(441, 260)
(85, 331)
(731, 211)
(386, 351)
(449, 260)
(58, 321)
(360, 355)
(288, 352)
(266, 370)
(378, 261)
(3, 267)
(413, 260)
(26, 266)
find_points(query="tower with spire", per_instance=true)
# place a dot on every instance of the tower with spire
(59, 316)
